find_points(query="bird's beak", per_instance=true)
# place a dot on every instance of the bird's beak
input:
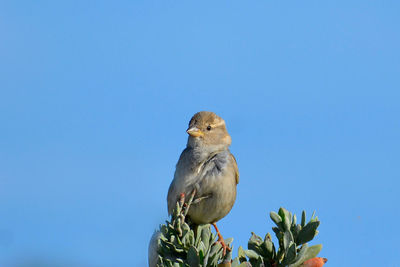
(195, 132)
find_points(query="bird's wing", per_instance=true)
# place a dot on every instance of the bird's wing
(171, 202)
(236, 169)
(174, 188)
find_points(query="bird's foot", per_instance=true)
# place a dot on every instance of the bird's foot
(221, 240)
(225, 247)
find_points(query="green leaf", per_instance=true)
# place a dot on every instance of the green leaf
(286, 218)
(160, 261)
(295, 231)
(255, 243)
(193, 257)
(201, 256)
(268, 247)
(228, 256)
(215, 248)
(228, 241)
(235, 262)
(178, 227)
(290, 255)
(253, 257)
(191, 238)
(215, 254)
(198, 231)
(162, 237)
(201, 247)
(255, 239)
(251, 254)
(307, 233)
(312, 252)
(277, 232)
(205, 237)
(280, 254)
(185, 229)
(169, 263)
(164, 229)
(276, 218)
(183, 246)
(241, 254)
(305, 254)
(177, 210)
(260, 262)
(287, 240)
(187, 240)
(303, 218)
(300, 258)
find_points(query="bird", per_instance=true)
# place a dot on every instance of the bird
(207, 169)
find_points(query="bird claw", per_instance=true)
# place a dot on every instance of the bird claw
(225, 247)
(221, 240)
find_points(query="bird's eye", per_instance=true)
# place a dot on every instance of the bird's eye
(208, 128)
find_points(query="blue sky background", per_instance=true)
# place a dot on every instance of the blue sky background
(95, 98)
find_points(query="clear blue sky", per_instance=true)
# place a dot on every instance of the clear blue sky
(95, 98)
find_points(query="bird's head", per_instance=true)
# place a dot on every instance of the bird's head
(208, 130)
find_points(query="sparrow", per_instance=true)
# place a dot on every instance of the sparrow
(206, 168)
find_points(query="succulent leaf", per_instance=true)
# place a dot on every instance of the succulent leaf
(286, 218)
(276, 218)
(303, 218)
(181, 245)
(307, 233)
(193, 257)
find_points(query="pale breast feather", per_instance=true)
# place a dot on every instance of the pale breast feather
(216, 165)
